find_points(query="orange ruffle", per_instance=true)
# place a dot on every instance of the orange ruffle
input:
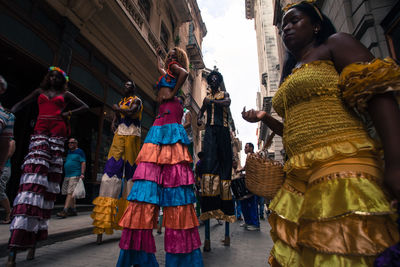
(140, 215)
(350, 235)
(165, 154)
(283, 229)
(180, 217)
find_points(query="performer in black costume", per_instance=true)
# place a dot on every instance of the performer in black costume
(216, 199)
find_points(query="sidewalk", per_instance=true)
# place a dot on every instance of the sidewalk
(59, 229)
(250, 249)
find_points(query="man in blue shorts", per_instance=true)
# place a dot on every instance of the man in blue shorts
(74, 167)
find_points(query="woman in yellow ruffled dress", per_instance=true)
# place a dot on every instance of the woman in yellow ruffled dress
(332, 210)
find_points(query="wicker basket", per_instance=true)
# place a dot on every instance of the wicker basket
(264, 177)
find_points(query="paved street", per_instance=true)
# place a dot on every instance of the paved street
(247, 248)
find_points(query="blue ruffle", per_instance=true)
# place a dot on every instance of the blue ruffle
(193, 259)
(129, 258)
(150, 192)
(167, 134)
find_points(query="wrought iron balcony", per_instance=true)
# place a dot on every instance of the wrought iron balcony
(194, 52)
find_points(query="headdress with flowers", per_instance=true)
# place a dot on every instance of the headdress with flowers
(310, 2)
(54, 68)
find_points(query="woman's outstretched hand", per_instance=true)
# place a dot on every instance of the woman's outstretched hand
(253, 115)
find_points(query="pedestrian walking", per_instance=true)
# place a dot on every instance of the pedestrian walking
(331, 209)
(120, 166)
(250, 205)
(5, 175)
(163, 178)
(42, 168)
(7, 148)
(74, 169)
(216, 199)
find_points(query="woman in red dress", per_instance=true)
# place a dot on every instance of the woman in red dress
(42, 167)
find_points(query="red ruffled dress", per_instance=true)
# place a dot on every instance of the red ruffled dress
(41, 175)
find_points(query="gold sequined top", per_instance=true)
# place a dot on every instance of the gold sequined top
(317, 124)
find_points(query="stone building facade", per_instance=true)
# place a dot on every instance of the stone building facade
(376, 23)
(268, 64)
(100, 44)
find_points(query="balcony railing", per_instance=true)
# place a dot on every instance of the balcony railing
(194, 52)
(138, 19)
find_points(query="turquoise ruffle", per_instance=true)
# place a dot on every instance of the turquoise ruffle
(193, 259)
(150, 192)
(128, 258)
(167, 134)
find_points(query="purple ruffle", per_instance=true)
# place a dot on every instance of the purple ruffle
(138, 239)
(181, 241)
(166, 175)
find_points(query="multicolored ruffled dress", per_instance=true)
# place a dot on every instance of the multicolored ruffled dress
(120, 166)
(41, 175)
(331, 210)
(163, 178)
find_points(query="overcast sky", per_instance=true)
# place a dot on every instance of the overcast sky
(230, 44)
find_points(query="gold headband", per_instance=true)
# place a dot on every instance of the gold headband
(310, 2)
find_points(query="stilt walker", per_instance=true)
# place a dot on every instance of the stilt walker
(163, 178)
(216, 167)
(120, 166)
(42, 168)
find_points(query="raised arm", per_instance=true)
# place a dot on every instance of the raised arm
(82, 105)
(28, 99)
(160, 65)
(382, 106)
(181, 75)
(259, 115)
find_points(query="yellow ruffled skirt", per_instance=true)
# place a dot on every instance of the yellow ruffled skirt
(333, 214)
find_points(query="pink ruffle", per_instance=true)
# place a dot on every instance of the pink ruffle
(177, 175)
(169, 112)
(165, 175)
(35, 168)
(37, 188)
(181, 241)
(31, 211)
(148, 171)
(140, 240)
(21, 239)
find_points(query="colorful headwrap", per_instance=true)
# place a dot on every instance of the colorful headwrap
(310, 2)
(54, 68)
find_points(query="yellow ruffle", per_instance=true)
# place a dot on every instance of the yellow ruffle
(287, 204)
(360, 81)
(104, 215)
(338, 150)
(286, 256)
(353, 193)
(310, 258)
